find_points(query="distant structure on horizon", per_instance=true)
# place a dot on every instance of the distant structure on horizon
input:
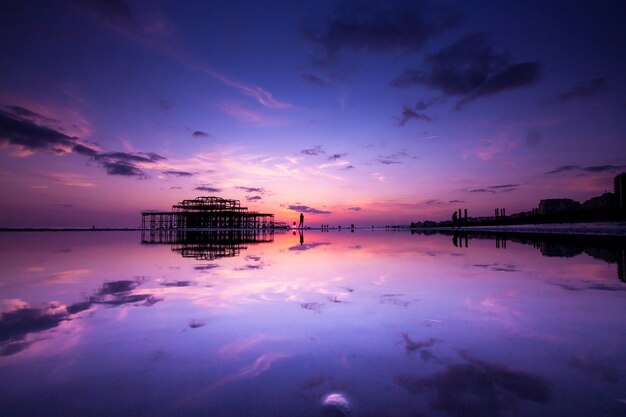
(619, 189)
(207, 213)
(605, 207)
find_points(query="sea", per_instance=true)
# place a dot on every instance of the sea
(311, 323)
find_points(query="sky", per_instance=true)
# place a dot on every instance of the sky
(349, 112)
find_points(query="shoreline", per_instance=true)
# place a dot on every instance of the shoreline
(578, 229)
(585, 229)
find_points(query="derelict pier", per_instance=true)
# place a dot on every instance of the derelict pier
(206, 213)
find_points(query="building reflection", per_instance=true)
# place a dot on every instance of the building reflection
(611, 249)
(207, 245)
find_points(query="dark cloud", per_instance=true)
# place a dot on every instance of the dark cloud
(164, 105)
(564, 168)
(336, 156)
(205, 267)
(254, 198)
(26, 114)
(503, 186)
(354, 208)
(176, 188)
(307, 209)
(411, 345)
(589, 169)
(15, 325)
(604, 168)
(388, 161)
(470, 69)
(477, 388)
(249, 267)
(177, 284)
(380, 27)
(117, 293)
(178, 173)
(122, 168)
(314, 80)
(394, 158)
(20, 131)
(117, 287)
(17, 128)
(347, 167)
(316, 307)
(112, 12)
(534, 137)
(596, 369)
(208, 189)
(200, 134)
(66, 205)
(456, 201)
(432, 202)
(195, 324)
(252, 189)
(493, 189)
(316, 150)
(590, 89)
(412, 114)
(606, 287)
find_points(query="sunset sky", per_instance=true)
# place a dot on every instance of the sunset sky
(351, 112)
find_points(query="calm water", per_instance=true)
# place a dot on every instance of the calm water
(336, 323)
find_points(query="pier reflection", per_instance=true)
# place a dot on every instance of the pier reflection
(207, 245)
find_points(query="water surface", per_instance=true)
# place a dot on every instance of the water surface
(327, 323)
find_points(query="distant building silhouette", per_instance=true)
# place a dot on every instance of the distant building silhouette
(620, 190)
(605, 200)
(557, 205)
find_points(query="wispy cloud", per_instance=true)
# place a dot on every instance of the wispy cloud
(493, 189)
(591, 89)
(69, 179)
(152, 29)
(262, 96)
(588, 169)
(164, 105)
(394, 158)
(307, 209)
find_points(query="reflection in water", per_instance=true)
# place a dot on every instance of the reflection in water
(208, 245)
(18, 324)
(611, 249)
(327, 324)
(478, 388)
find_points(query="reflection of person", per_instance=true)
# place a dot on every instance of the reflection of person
(301, 225)
(301, 237)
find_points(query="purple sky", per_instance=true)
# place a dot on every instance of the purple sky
(349, 111)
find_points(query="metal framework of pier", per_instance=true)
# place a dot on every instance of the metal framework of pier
(207, 213)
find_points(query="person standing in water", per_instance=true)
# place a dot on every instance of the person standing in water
(301, 225)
